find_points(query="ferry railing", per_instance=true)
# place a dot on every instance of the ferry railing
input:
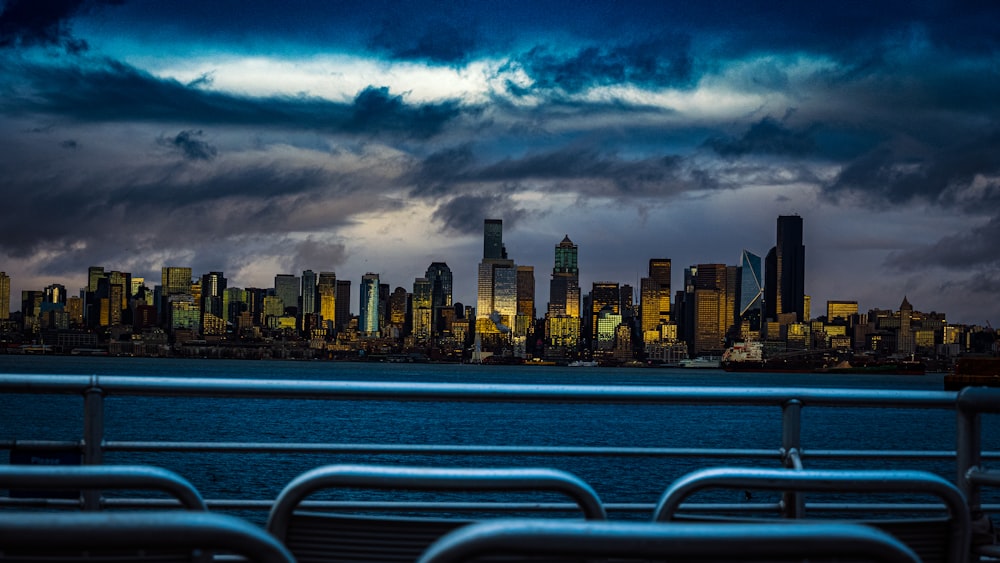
(973, 474)
(790, 453)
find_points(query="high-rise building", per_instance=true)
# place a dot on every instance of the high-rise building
(604, 295)
(564, 288)
(606, 323)
(368, 319)
(751, 293)
(421, 308)
(713, 289)
(4, 296)
(842, 310)
(493, 248)
(440, 277)
(496, 304)
(326, 292)
(286, 288)
(526, 291)
(399, 309)
(342, 316)
(659, 271)
(785, 270)
(175, 280)
(309, 282)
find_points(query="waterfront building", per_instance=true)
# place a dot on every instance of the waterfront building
(213, 310)
(369, 317)
(526, 291)
(659, 271)
(174, 280)
(785, 272)
(399, 310)
(904, 336)
(712, 302)
(4, 296)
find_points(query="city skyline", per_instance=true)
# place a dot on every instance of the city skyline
(257, 138)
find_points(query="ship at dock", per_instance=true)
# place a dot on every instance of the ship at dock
(750, 357)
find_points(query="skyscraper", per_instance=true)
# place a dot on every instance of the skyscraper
(175, 280)
(564, 288)
(342, 316)
(369, 313)
(493, 248)
(286, 288)
(4, 296)
(309, 283)
(326, 292)
(785, 270)
(604, 295)
(421, 308)
(751, 289)
(440, 277)
(714, 301)
(496, 304)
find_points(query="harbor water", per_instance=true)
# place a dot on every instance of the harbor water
(634, 479)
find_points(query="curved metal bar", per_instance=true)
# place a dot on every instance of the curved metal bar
(660, 541)
(825, 481)
(102, 477)
(139, 530)
(431, 478)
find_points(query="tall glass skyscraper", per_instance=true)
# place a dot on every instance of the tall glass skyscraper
(786, 267)
(368, 319)
(4, 296)
(286, 288)
(564, 288)
(751, 290)
(493, 240)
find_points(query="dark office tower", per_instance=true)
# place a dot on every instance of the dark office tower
(383, 305)
(603, 294)
(493, 240)
(785, 271)
(440, 278)
(286, 288)
(751, 291)
(342, 316)
(4, 296)
(526, 291)
(326, 293)
(399, 309)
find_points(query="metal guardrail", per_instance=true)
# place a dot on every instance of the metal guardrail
(790, 401)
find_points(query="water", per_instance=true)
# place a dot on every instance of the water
(637, 479)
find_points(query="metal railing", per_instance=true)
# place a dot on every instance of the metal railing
(791, 453)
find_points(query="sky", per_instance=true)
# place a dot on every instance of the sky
(258, 138)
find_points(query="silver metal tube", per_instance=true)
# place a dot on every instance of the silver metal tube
(93, 437)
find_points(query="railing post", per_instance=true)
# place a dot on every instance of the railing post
(792, 502)
(967, 449)
(93, 438)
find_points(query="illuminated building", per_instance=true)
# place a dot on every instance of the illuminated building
(713, 294)
(606, 324)
(842, 310)
(603, 294)
(659, 272)
(326, 292)
(496, 304)
(421, 308)
(526, 291)
(309, 284)
(175, 280)
(398, 306)
(369, 317)
(213, 291)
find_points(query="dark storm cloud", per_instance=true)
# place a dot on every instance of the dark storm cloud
(28, 23)
(975, 248)
(69, 144)
(464, 214)
(189, 144)
(931, 174)
(436, 40)
(767, 136)
(663, 62)
(112, 91)
(585, 171)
